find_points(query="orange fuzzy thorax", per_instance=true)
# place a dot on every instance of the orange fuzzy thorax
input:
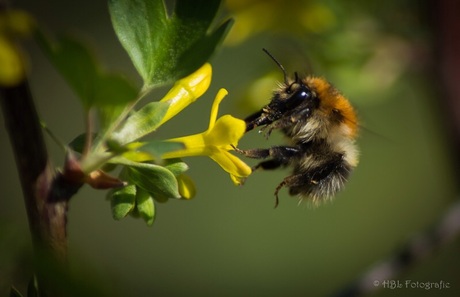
(332, 99)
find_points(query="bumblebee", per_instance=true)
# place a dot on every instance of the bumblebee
(321, 126)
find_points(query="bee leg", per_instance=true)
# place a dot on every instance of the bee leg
(269, 164)
(278, 188)
(261, 154)
(251, 121)
(287, 182)
(280, 156)
(279, 124)
(285, 122)
(254, 153)
(276, 152)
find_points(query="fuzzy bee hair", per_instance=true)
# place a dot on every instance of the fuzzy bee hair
(321, 126)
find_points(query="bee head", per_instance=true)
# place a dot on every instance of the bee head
(307, 107)
(293, 94)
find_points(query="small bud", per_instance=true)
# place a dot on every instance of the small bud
(98, 179)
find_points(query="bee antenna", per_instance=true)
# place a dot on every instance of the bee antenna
(277, 63)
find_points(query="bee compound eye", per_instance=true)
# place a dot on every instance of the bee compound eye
(303, 94)
(298, 97)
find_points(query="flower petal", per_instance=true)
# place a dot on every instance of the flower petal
(226, 132)
(231, 164)
(216, 142)
(187, 90)
(237, 180)
(194, 146)
(215, 107)
(187, 188)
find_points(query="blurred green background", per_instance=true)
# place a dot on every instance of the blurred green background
(229, 241)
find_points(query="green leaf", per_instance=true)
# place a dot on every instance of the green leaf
(205, 47)
(145, 206)
(75, 62)
(165, 48)
(158, 148)
(160, 199)
(113, 89)
(154, 179)
(176, 166)
(108, 114)
(78, 143)
(116, 147)
(144, 121)
(112, 94)
(122, 201)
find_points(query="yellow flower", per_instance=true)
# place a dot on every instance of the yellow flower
(12, 71)
(13, 24)
(304, 17)
(186, 186)
(216, 142)
(187, 90)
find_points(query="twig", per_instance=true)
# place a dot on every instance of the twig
(46, 192)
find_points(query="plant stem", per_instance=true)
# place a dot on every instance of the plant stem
(46, 192)
(89, 133)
